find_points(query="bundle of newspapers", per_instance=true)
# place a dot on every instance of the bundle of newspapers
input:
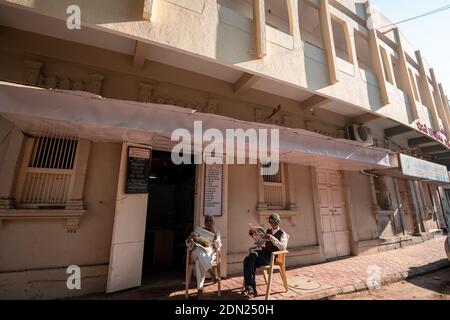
(203, 237)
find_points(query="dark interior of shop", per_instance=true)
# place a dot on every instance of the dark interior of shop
(170, 215)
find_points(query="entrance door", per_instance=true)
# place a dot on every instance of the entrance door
(335, 231)
(170, 219)
(407, 208)
(127, 246)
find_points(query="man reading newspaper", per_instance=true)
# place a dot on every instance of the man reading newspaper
(203, 244)
(271, 240)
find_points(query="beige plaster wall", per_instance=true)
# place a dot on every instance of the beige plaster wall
(39, 245)
(243, 198)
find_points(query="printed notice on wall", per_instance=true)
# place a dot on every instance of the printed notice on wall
(212, 199)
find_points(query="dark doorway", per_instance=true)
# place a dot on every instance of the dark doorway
(170, 216)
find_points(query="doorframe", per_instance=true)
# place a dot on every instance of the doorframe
(350, 214)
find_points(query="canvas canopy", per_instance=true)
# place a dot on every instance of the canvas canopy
(37, 111)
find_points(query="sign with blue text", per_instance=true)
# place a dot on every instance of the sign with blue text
(418, 168)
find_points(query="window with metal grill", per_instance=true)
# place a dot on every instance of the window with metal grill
(47, 173)
(274, 189)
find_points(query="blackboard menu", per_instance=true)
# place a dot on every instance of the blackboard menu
(138, 170)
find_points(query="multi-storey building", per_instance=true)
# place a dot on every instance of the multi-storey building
(363, 123)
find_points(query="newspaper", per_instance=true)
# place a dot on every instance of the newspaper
(258, 233)
(203, 237)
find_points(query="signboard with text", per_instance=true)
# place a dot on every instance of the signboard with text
(418, 168)
(138, 170)
(212, 197)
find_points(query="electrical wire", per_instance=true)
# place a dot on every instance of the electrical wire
(446, 7)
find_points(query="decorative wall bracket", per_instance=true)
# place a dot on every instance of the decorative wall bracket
(35, 77)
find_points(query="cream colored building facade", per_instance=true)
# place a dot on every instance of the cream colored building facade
(318, 67)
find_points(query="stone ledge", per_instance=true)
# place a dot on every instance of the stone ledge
(72, 217)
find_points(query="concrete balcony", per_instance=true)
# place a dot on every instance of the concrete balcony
(300, 50)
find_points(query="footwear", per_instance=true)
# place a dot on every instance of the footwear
(251, 293)
(198, 295)
(214, 276)
(215, 280)
(248, 292)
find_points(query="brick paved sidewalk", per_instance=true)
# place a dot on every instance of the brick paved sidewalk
(322, 280)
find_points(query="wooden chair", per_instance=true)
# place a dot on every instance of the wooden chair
(190, 266)
(277, 262)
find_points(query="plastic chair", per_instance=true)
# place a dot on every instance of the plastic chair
(190, 266)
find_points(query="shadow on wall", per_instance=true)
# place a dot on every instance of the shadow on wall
(235, 41)
(96, 12)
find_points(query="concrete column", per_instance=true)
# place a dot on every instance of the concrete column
(328, 39)
(316, 203)
(8, 170)
(426, 87)
(404, 75)
(259, 18)
(445, 104)
(377, 61)
(439, 105)
(148, 9)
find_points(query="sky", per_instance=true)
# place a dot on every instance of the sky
(430, 34)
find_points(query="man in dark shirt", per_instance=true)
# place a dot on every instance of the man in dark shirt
(274, 240)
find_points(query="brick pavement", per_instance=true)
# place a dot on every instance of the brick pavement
(322, 280)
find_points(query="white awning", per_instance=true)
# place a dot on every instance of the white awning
(88, 116)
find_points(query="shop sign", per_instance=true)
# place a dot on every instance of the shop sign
(418, 168)
(138, 170)
(439, 135)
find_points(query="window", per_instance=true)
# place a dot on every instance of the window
(362, 52)
(47, 172)
(277, 15)
(396, 69)
(386, 67)
(341, 40)
(274, 188)
(244, 7)
(310, 24)
(414, 85)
